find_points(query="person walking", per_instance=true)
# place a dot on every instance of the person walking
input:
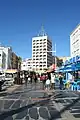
(43, 79)
(35, 81)
(52, 81)
(47, 84)
(61, 82)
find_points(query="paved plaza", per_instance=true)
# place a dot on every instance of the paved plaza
(33, 103)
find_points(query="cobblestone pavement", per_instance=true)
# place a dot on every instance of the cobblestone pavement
(30, 103)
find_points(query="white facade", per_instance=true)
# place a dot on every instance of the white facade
(2, 60)
(75, 42)
(8, 52)
(41, 56)
(26, 64)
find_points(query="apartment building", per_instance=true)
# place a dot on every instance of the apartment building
(27, 64)
(75, 42)
(41, 52)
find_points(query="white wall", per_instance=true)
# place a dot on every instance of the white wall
(2, 60)
(75, 42)
(26, 64)
(8, 53)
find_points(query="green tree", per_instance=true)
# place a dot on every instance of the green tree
(19, 59)
(59, 62)
(19, 62)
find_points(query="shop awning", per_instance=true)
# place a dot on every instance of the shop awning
(50, 70)
(11, 71)
(70, 68)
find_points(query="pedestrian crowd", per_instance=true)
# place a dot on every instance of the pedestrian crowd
(48, 80)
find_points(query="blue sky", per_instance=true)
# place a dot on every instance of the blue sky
(20, 20)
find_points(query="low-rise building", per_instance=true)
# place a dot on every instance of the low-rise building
(2, 60)
(64, 58)
(15, 61)
(27, 65)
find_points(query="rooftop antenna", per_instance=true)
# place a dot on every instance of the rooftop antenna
(42, 31)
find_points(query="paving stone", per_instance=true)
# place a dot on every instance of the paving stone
(21, 115)
(14, 96)
(7, 104)
(43, 113)
(54, 113)
(27, 118)
(9, 118)
(23, 103)
(16, 104)
(33, 113)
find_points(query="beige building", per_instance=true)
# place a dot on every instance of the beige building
(64, 58)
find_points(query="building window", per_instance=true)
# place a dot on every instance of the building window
(33, 40)
(44, 55)
(41, 40)
(40, 68)
(40, 55)
(40, 65)
(37, 53)
(44, 39)
(44, 49)
(37, 40)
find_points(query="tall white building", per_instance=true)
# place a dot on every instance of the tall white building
(75, 42)
(41, 52)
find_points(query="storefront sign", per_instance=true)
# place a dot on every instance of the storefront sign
(77, 58)
(74, 60)
(78, 65)
(71, 60)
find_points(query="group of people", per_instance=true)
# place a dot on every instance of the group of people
(48, 80)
